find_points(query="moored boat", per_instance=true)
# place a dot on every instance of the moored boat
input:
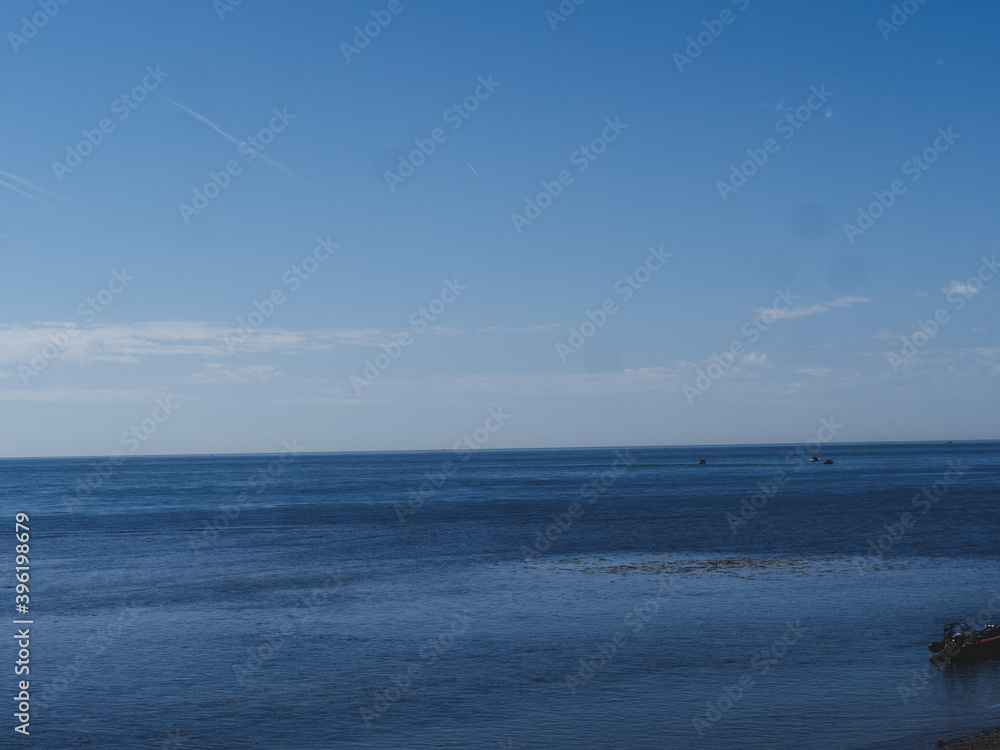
(960, 643)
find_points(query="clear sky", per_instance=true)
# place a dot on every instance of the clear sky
(225, 226)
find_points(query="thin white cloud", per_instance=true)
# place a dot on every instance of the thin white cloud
(215, 372)
(102, 395)
(380, 336)
(963, 288)
(130, 343)
(756, 359)
(802, 312)
(883, 334)
(522, 329)
(224, 134)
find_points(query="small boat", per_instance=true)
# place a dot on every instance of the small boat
(702, 462)
(813, 459)
(960, 643)
(828, 461)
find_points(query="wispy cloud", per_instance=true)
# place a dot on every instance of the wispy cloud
(131, 343)
(522, 329)
(215, 372)
(802, 312)
(77, 395)
(756, 359)
(884, 334)
(224, 134)
(961, 287)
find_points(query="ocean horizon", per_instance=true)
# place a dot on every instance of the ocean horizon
(509, 449)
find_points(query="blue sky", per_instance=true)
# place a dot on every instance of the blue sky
(822, 321)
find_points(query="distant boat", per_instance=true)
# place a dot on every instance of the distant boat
(703, 461)
(828, 461)
(813, 459)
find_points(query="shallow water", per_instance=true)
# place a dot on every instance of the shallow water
(313, 617)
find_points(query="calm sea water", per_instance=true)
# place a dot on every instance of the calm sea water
(530, 599)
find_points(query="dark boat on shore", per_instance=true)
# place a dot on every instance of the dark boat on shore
(960, 643)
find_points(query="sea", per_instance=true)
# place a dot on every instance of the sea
(628, 598)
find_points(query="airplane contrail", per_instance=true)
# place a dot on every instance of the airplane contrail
(226, 135)
(474, 171)
(29, 195)
(31, 185)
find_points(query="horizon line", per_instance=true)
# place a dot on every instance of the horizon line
(498, 450)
